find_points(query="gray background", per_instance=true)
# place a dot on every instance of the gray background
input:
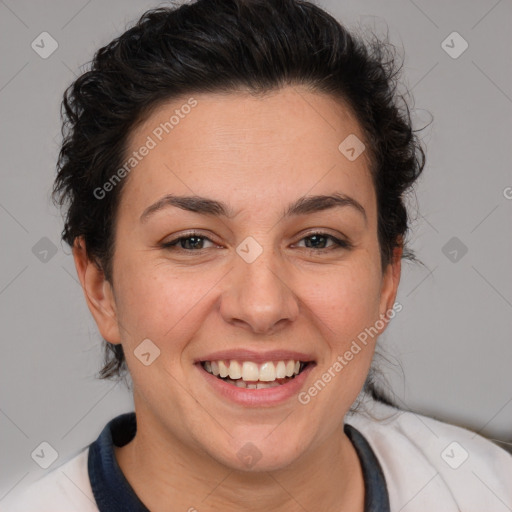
(450, 348)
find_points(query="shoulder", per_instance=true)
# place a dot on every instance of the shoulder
(64, 489)
(428, 463)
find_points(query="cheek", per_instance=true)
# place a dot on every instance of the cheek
(163, 302)
(346, 305)
(160, 303)
(346, 301)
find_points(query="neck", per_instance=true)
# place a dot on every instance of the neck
(328, 479)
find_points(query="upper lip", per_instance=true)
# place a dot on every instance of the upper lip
(256, 357)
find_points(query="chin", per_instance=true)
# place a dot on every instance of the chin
(259, 452)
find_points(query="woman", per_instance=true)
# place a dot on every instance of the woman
(235, 174)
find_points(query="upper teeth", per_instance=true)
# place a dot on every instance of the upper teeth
(250, 371)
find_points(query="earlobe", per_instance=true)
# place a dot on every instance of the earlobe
(98, 293)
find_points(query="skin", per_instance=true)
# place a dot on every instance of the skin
(256, 154)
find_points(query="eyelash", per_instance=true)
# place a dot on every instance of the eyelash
(339, 244)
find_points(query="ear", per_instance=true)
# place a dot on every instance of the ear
(390, 282)
(98, 293)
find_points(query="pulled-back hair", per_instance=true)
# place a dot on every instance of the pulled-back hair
(213, 46)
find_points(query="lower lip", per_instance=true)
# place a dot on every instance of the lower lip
(257, 397)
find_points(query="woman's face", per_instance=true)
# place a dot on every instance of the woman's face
(252, 283)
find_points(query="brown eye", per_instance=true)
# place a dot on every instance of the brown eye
(319, 241)
(192, 242)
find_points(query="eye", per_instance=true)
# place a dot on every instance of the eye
(192, 242)
(317, 242)
(314, 242)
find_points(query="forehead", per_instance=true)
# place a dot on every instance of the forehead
(245, 149)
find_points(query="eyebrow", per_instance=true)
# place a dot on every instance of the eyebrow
(206, 206)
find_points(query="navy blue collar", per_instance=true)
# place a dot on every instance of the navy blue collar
(376, 497)
(113, 493)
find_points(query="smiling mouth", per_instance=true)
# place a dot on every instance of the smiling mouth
(250, 375)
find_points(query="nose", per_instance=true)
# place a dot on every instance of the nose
(258, 296)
